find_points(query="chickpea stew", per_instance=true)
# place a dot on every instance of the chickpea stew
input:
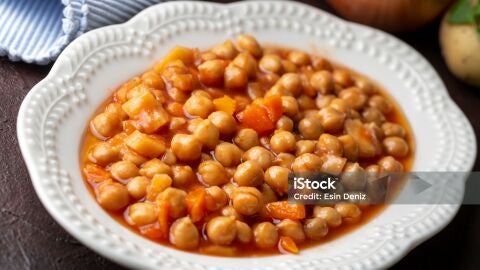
(195, 153)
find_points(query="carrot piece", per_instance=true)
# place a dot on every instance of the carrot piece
(284, 210)
(256, 117)
(95, 173)
(183, 54)
(273, 105)
(195, 201)
(163, 209)
(226, 104)
(286, 244)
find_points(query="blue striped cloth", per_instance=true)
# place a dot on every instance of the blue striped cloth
(36, 31)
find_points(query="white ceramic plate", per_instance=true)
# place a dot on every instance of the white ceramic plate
(53, 116)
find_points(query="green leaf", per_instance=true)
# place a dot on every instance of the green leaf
(462, 12)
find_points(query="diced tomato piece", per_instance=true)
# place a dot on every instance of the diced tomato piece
(256, 117)
(195, 202)
(273, 105)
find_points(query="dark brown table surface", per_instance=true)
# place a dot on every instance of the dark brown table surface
(31, 239)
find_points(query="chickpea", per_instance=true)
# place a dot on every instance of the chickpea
(176, 201)
(289, 106)
(103, 154)
(349, 211)
(289, 66)
(306, 103)
(340, 105)
(329, 144)
(333, 164)
(198, 105)
(260, 156)
(277, 178)
(381, 103)
(395, 146)
(320, 63)
(350, 147)
(155, 166)
(291, 82)
(207, 133)
(305, 146)
(331, 119)
(322, 82)
(278, 90)
(284, 123)
(169, 157)
(123, 170)
(182, 175)
(310, 128)
(342, 77)
(225, 50)
(270, 63)
(132, 156)
(392, 129)
(244, 232)
(211, 72)
(142, 213)
(299, 58)
(390, 164)
(247, 43)
(184, 234)
(255, 90)
(235, 77)
(212, 173)
(373, 115)
(228, 154)
(249, 173)
(283, 141)
(186, 147)
(105, 125)
(177, 95)
(247, 200)
(215, 198)
(284, 160)
(292, 229)
(265, 235)
(268, 194)
(221, 230)
(246, 62)
(137, 187)
(354, 97)
(224, 122)
(229, 211)
(329, 214)
(112, 196)
(315, 228)
(354, 177)
(307, 163)
(323, 101)
(365, 86)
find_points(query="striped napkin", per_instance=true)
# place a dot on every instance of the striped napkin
(36, 31)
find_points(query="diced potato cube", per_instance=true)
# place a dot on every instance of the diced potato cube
(183, 54)
(155, 166)
(159, 183)
(137, 91)
(226, 104)
(150, 121)
(145, 145)
(121, 94)
(333, 164)
(139, 103)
